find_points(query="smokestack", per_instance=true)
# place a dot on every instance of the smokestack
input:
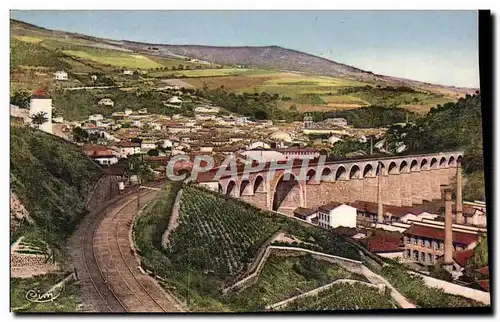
(459, 205)
(380, 207)
(448, 232)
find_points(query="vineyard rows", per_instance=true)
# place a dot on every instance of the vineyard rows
(217, 235)
(343, 296)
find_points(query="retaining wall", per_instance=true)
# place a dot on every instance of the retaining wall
(455, 289)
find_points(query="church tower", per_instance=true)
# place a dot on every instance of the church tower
(41, 102)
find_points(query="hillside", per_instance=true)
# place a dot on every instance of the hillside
(217, 240)
(51, 178)
(275, 57)
(303, 82)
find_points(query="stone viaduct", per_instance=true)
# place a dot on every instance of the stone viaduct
(404, 181)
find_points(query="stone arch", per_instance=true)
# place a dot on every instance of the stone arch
(451, 161)
(285, 192)
(341, 173)
(220, 189)
(259, 184)
(368, 171)
(354, 172)
(459, 160)
(424, 165)
(231, 189)
(403, 167)
(327, 174)
(434, 163)
(245, 183)
(311, 176)
(442, 162)
(393, 168)
(414, 165)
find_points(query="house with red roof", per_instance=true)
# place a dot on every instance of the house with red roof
(424, 243)
(100, 154)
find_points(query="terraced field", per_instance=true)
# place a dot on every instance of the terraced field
(221, 237)
(343, 296)
(214, 244)
(283, 277)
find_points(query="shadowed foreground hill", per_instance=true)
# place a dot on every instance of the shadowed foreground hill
(51, 178)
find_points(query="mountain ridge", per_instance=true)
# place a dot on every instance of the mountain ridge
(272, 57)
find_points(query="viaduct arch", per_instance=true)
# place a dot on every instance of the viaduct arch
(405, 180)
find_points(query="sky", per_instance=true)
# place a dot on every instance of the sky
(438, 47)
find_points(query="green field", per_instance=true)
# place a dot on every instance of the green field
(117, 59)
(309, 93)
(344, 296)
(284, 277)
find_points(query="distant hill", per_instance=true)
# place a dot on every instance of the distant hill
(301, 81)
(273, 57)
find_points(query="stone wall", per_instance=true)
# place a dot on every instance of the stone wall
(455, 289)
(283, 303)
(104, 189)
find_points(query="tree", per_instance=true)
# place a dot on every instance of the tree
(21, 98)
(80, 135)
(153, 152)
(38, 119)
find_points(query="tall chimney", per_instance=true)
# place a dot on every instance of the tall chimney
(448, 232)
(380, 207)
(459, 205)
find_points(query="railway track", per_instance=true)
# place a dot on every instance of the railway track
(114, 282)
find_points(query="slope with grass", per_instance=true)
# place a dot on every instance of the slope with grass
(343, 296)
(51, 178)
(283, 277)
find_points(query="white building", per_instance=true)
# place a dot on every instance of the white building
(129, 148)
(336, 214)
(262, 155)
(174, 100)
(96, 117)
(127, 112)
(128, 72)
(333, 139)
(41, 102)
(207, 109)
(148, 145)
(58, 119)
(61, 75)
(257, 145)
(106, 102)
(106, 160)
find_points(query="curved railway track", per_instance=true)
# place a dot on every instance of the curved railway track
(112, 282)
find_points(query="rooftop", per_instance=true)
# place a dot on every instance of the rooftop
(329, 206)
(438, 233)
(304, 211)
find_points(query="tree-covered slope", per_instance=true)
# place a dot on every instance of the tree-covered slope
(51, 177)
(453, 126)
